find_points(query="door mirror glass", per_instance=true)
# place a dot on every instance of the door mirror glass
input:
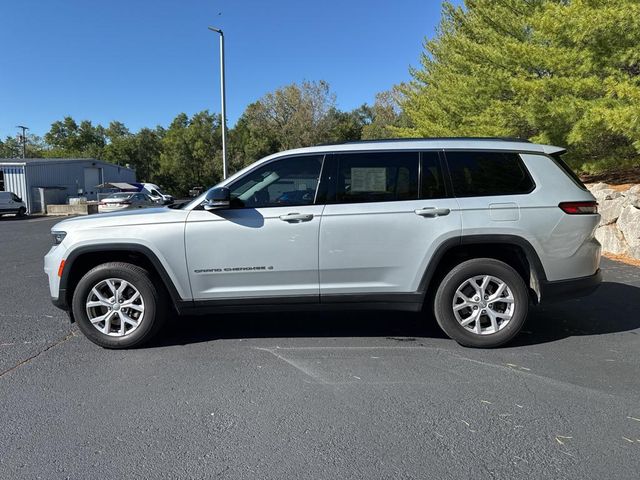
(217, 199)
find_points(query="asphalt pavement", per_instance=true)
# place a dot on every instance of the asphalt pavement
(335, 395)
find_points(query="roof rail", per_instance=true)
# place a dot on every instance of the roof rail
(390, 140)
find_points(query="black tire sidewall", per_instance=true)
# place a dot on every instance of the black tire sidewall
(480, 266)
(138, 278)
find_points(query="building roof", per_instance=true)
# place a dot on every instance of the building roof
(51, 161)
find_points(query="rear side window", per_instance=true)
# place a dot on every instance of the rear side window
(488, 173)
(377, 177)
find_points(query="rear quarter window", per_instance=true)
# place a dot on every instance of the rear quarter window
(476, 173)
(567, 169)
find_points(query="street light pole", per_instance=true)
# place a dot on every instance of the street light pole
(23, 139)
(223, 101)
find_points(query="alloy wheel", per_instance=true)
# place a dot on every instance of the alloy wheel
(115, 307)
(483, 304)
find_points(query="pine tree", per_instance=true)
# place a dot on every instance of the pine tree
(565, 72)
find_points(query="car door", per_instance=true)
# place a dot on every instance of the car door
(388, 213)
(266, 244)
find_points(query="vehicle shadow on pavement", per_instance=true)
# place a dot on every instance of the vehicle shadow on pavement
(400, 325)
(613, 308)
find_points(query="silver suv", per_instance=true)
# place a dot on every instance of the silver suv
(473, 230)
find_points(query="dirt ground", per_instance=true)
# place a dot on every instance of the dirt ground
(621, 179)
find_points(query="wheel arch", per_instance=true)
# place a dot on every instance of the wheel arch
(83, 259)
(514, 250)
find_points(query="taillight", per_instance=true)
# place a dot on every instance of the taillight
(579, 208)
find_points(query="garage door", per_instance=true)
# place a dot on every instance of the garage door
(91, 179)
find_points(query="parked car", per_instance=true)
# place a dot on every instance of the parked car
(122, 201)
(471, 231)
(156, 195)
(11, 203)
(195, 191)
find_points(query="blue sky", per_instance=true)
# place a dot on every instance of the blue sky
(144, 61)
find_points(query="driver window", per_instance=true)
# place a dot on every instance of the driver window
(287, 182)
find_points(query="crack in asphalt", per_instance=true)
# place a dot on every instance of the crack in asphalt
(36, 355)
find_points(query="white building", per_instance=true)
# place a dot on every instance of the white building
(47, 181)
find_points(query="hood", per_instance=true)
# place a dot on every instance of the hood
(139, 217)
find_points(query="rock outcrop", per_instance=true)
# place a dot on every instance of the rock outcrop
(619, 230)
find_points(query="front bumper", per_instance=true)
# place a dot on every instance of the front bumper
(567, 289)
(61, 301)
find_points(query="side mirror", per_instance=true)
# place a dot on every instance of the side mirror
(217, 198)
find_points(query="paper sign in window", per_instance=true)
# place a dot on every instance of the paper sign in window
(373, 179)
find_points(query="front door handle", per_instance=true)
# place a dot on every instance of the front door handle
(296, 217)
(432, 212)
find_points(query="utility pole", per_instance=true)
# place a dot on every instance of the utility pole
(223, 101)
(23, 139)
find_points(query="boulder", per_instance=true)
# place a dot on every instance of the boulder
(629, 224)
(597, 186)
(605, 194)
(612, 240)
(634, 190)
(610, 210)
(633, 199)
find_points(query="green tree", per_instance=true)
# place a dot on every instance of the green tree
(294, 115)
(68, 139)
(11, 148)
(191, 153)
(565, 72)
(385, 117)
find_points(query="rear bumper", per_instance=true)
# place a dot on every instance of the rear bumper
(567, 289)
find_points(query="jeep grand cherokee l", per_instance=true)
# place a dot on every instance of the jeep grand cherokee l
(470, 230)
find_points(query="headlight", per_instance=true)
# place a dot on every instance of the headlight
(58, 237)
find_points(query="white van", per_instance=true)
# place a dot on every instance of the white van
(11, 203)
(156, 195)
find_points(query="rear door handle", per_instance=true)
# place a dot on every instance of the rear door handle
(296, 217)
(432, 212)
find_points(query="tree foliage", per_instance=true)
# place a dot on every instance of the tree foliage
(191, 152)
(564, 72)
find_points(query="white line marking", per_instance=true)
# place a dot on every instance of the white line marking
(302, 368)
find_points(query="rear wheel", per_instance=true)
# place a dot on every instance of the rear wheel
(116, 305)
(481, 302)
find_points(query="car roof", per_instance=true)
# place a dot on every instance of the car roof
(395, 144)
(453, 143)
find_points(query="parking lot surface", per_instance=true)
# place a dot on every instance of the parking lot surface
(335, 395)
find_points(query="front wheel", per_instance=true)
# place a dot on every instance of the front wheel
(116, 305)
(481, 302)
(22, 212)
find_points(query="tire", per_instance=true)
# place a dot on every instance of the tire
(145, 313)
(509, 309)
(21, 212)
